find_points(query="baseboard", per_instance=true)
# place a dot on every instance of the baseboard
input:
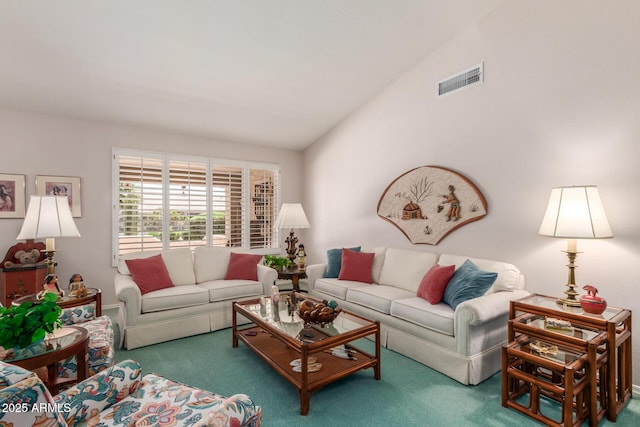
(635, 391)
(110, 306)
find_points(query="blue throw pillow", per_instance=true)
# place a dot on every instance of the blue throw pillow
(467, 282)
(334, 262)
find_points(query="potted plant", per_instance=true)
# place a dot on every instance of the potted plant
(277, 262)
(29, 322)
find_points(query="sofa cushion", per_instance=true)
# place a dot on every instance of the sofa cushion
(356, 266)
(378, 261)
(467, 282)
(405, 268)
(223, 290)
(174, 297)
(377, 297)
(336, 287)
(434, 283)
(150, 274)
(438, 317)
(509, 277)
(334, 262)
(211, 262)
(243, 266)
(179, 264)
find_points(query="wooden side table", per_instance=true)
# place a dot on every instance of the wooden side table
(68, 341)
(612, 328)
(93, 295)
(293, 274)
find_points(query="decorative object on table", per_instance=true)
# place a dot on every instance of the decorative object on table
(275, 302)
(277, 262)
(320, 313)
(558, 324)
(19, 276)
(65, 186)
(50, 287)
(48, 217)
(591, 302)
(574, 213)
(429, 202)
(12, 198)
(29, 322)
(302, 257)
(77, 289)
(291, 216)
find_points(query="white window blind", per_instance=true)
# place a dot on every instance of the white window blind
(165, 201)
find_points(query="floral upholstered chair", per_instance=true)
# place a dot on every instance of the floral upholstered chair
(100, 329)
(119, 396)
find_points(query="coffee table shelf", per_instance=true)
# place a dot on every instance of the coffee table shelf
(277, 343)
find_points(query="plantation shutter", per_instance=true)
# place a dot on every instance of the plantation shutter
(263, 207)
(226, 198)
(140, 212)
(187, 203)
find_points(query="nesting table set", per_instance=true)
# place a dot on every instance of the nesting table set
(580, 360)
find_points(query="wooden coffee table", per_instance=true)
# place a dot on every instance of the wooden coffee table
(318, 342)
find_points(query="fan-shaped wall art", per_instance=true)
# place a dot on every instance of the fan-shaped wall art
(429, 202)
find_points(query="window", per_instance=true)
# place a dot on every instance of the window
(166, 201)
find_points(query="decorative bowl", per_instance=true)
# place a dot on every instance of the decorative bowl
(591, 302)
(319, 313)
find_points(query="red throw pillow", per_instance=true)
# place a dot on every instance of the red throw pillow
(243, 266)
(150, 274)
(435, 282)
(356, 266)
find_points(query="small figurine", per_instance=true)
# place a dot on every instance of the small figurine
(76, 286)
(592, 303)
(302, 257)
(50, 286)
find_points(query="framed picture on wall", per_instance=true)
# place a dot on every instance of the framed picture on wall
(12, 204)
(61, 186)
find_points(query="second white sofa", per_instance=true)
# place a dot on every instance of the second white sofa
(464, 343)
(199, 302)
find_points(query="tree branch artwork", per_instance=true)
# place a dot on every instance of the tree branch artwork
(429, 202)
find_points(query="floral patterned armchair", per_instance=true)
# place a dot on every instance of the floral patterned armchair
(101, 339)
(118, 396)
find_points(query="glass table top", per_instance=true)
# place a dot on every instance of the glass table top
(548, 302)
(290, 323)
(61, 338)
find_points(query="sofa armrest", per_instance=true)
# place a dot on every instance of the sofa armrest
(314, 272)
(481, 322)
(99, 392)
(267, 276)
(128, 292)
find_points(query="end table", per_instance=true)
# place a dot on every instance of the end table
(293, 274)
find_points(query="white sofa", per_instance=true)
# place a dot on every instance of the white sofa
(200, 301)
(464, 344)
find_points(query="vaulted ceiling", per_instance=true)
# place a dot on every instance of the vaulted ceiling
(270, 72)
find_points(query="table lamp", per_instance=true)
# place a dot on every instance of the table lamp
(48, 217)
(291, 216)
(574, 213)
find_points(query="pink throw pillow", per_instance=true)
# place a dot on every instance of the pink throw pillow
(243, 266)
(150, 274)
(435, 282)
(356, 266)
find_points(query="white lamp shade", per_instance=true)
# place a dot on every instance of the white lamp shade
(575, 213)
(48, 216)
(292, 215)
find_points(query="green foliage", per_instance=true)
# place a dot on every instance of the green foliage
(277, 262)
(29, 322)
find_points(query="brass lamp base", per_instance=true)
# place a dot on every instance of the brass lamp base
(571, 299)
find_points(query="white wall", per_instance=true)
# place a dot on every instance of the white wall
(560, 105)
(42, 145)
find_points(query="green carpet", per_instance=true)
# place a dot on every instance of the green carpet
(409, 393)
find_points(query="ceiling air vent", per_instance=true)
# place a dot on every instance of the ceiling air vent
(466, 78)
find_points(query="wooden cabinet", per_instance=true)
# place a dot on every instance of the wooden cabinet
(17, 282)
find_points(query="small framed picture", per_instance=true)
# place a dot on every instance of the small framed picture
(62, 186)
(12, 198)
